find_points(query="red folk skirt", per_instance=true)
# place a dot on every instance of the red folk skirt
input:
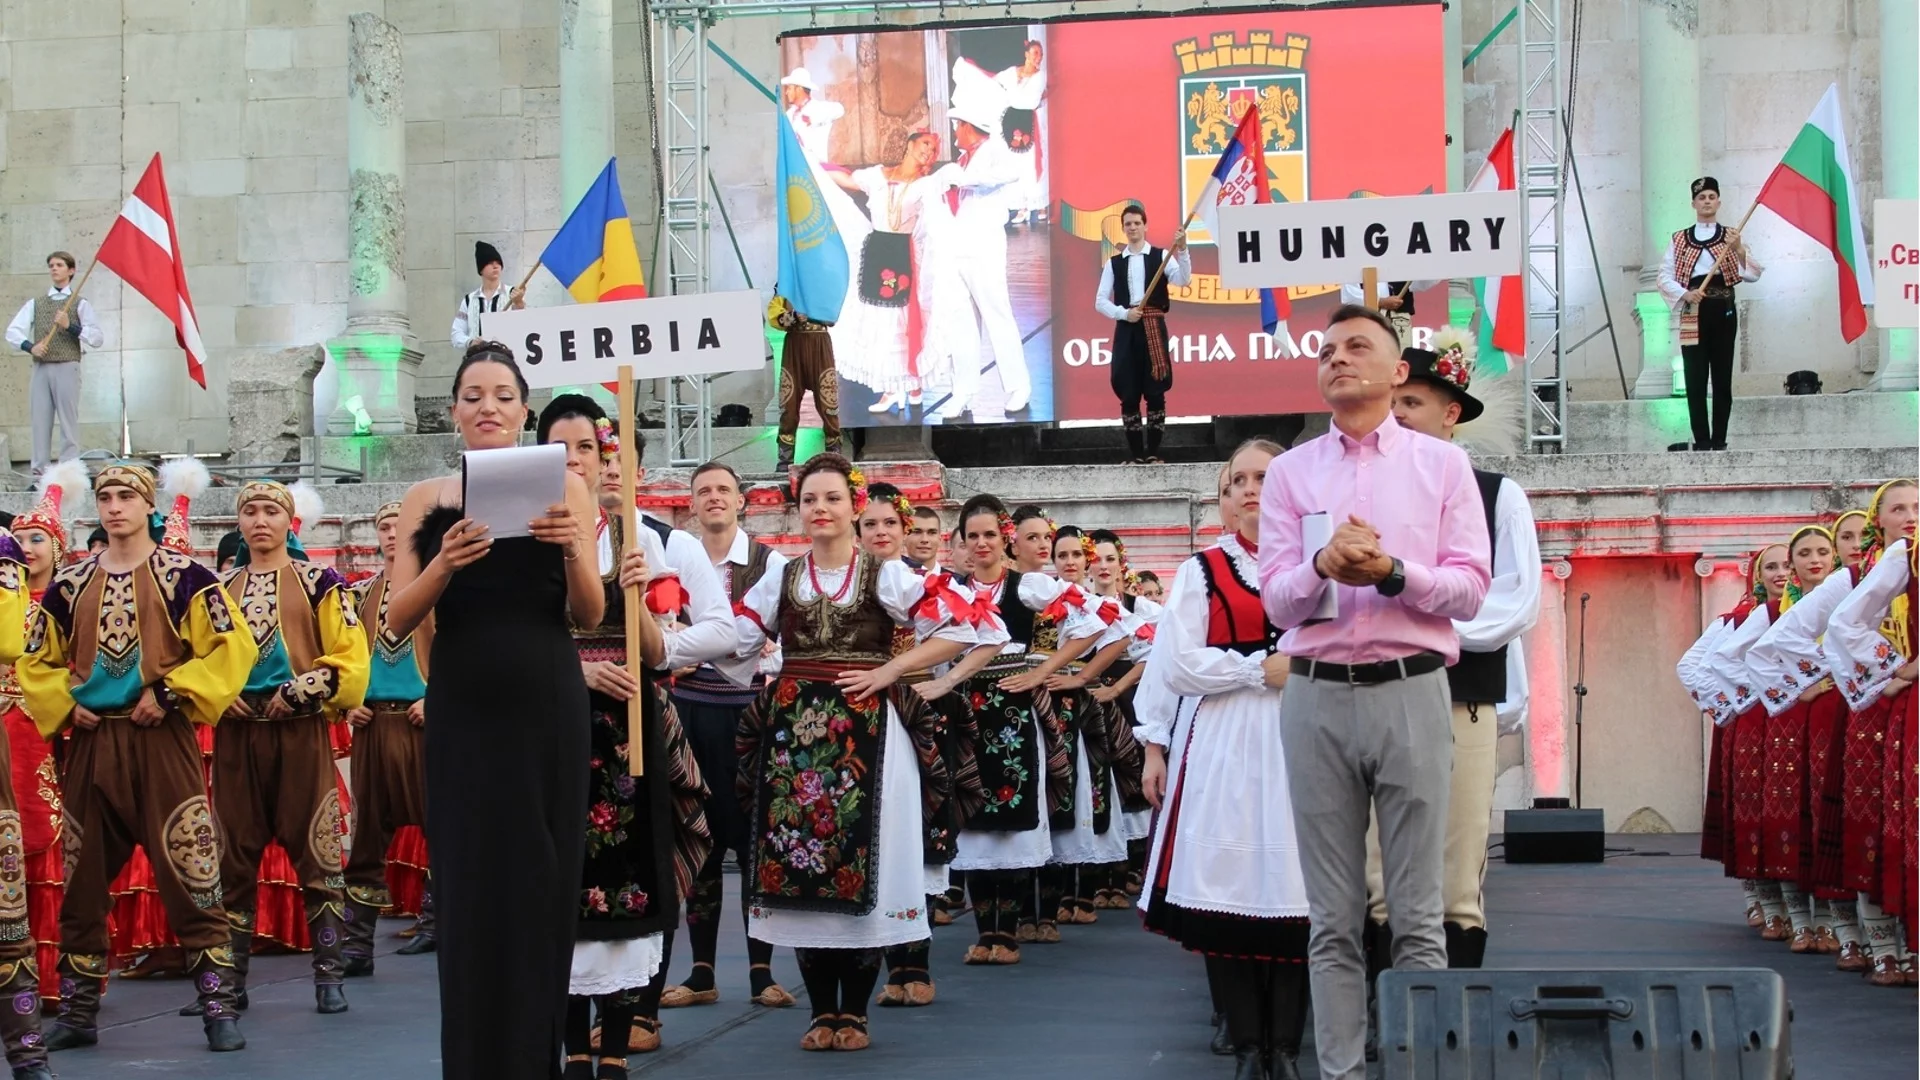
(1785, 814)
(1826, 742)
(1863, 795)
(36, 791)
(1898, 894)
(1747, 760)
(280, 912)
(1713, 815)
(407, 870)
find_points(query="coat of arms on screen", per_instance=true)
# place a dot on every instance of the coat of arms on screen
(1220, 79)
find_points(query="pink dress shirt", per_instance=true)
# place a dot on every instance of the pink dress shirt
(1419, 494)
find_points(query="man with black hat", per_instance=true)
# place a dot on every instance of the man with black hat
(1697, 276)
(1433, 401)
(488, 297)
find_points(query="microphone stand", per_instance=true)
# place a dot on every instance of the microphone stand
(1580, 704)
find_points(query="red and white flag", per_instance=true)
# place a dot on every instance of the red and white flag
(144, 249)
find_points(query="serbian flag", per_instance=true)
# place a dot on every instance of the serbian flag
(1503, 322)
(1813, 189)
(593, 254)
(144, 249)
(1240, 177)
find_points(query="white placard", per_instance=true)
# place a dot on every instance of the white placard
(505, 489)
(1416, 237)
(1896, 263)
(661, 336)
(1316, 531)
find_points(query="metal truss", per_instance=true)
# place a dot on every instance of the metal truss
(1541, 151)
(681, 38)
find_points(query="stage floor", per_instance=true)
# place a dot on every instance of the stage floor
(1110, 1001)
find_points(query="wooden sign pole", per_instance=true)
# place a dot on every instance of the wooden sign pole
(1370, 288)
(635, 606)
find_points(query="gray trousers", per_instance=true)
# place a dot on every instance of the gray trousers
(1351, 749)
(54, 391)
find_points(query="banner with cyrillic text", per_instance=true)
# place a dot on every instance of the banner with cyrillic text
(1896, 263)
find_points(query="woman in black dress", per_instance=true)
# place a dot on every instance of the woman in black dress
(507, 722)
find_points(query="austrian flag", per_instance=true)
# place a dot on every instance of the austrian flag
(144, 249)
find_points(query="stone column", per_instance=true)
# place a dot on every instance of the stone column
(1669, 160)
(378, 357)
(586, 95)
(1899, 162)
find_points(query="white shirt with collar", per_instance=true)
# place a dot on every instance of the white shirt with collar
(1179, 272)
(735, 561)
(813, 124)
(466, 321)
(709, 633)
(1673, 284)
(1512, 605)
(81, 312)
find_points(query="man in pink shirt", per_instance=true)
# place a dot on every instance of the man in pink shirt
(1368, 723)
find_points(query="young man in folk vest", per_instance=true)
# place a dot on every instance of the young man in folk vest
(389, 760)
(55, 337)
(1697, 276)
(710, 707)
(488, 298)
(272, 758)
(1142, 370)
(131, 648)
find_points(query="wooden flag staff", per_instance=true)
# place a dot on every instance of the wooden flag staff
(73, 295)
(635, 604)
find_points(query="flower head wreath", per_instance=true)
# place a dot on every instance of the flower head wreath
(858, 481)
(1127, 577)
(1007, 532)
(902, 506)
(1090, 550)
(604, 435)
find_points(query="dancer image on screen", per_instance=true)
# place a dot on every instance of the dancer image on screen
(645, 834)
(880, 335)
(507, 745)
(389, 759)
(1025, 87)
(976, 188)
(273, 756)
(836, 723)
(812, 118)
(130, 649)
(1142, 371)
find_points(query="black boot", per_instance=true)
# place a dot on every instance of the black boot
(328, 931)
(240, 925)
(217, 977)
(1222, 1043)
(1136, 451)
(82, 978)
(1249, 1064)
(20, 1024)
(424, 941)
(1469, 949)
(1156, 427)
(361, 916)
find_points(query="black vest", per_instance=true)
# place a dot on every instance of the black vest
(1406, 298)
(1017, 616)
(1482, 676)
(1157, 300)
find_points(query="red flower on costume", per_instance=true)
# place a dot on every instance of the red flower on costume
(847, 882)
(771, 877)
(786, 693)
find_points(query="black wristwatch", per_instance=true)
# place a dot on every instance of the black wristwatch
(1394, 582)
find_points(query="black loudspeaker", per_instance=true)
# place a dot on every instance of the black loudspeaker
(1553, 832)
(1596, 1025)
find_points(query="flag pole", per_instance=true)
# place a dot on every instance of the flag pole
(73, 294)
(1184, 226)
(521, 289)
(635, 605)
(1370, 287)
(1740, 228)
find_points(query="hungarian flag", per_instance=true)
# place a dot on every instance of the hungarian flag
(144, 249)
(1503, 322)
(1240, 178)
(1813, 189)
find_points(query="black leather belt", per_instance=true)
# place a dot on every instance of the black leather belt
(1383, 671)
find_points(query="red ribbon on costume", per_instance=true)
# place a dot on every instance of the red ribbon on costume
(1109, 612)
(1146, 632)
(1070, 597)
(666, 596)
(940, 591)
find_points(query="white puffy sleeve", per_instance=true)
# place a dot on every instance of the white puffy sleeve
(1788, 658)
(988, 626)
(1862, 657)
(1734, 688)
(754, 619)
(1513, 599)
(709, 633)
(1040, 592)
(1194, 668)
(1145, 628)
(1688, 669)
(921, 603)
(1154, 707)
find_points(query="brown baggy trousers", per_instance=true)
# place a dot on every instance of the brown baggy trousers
(389, 790)
(806, 363)
(274, 780)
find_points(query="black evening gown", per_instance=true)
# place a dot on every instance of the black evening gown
(506, 738)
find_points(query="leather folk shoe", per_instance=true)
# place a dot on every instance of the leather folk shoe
(61, 1037)
(223, 1034)
(329, 999)
(1248, 1064)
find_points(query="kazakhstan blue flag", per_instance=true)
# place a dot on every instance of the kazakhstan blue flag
(813, 270)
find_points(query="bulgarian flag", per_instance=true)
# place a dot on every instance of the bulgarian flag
(1813, 189)
(1503, 324)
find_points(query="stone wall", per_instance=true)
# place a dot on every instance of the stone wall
(246, 102)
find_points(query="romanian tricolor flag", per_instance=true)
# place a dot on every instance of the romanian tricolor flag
(593, 254)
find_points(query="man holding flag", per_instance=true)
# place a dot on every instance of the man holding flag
(54, 330)
(1133, 293)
